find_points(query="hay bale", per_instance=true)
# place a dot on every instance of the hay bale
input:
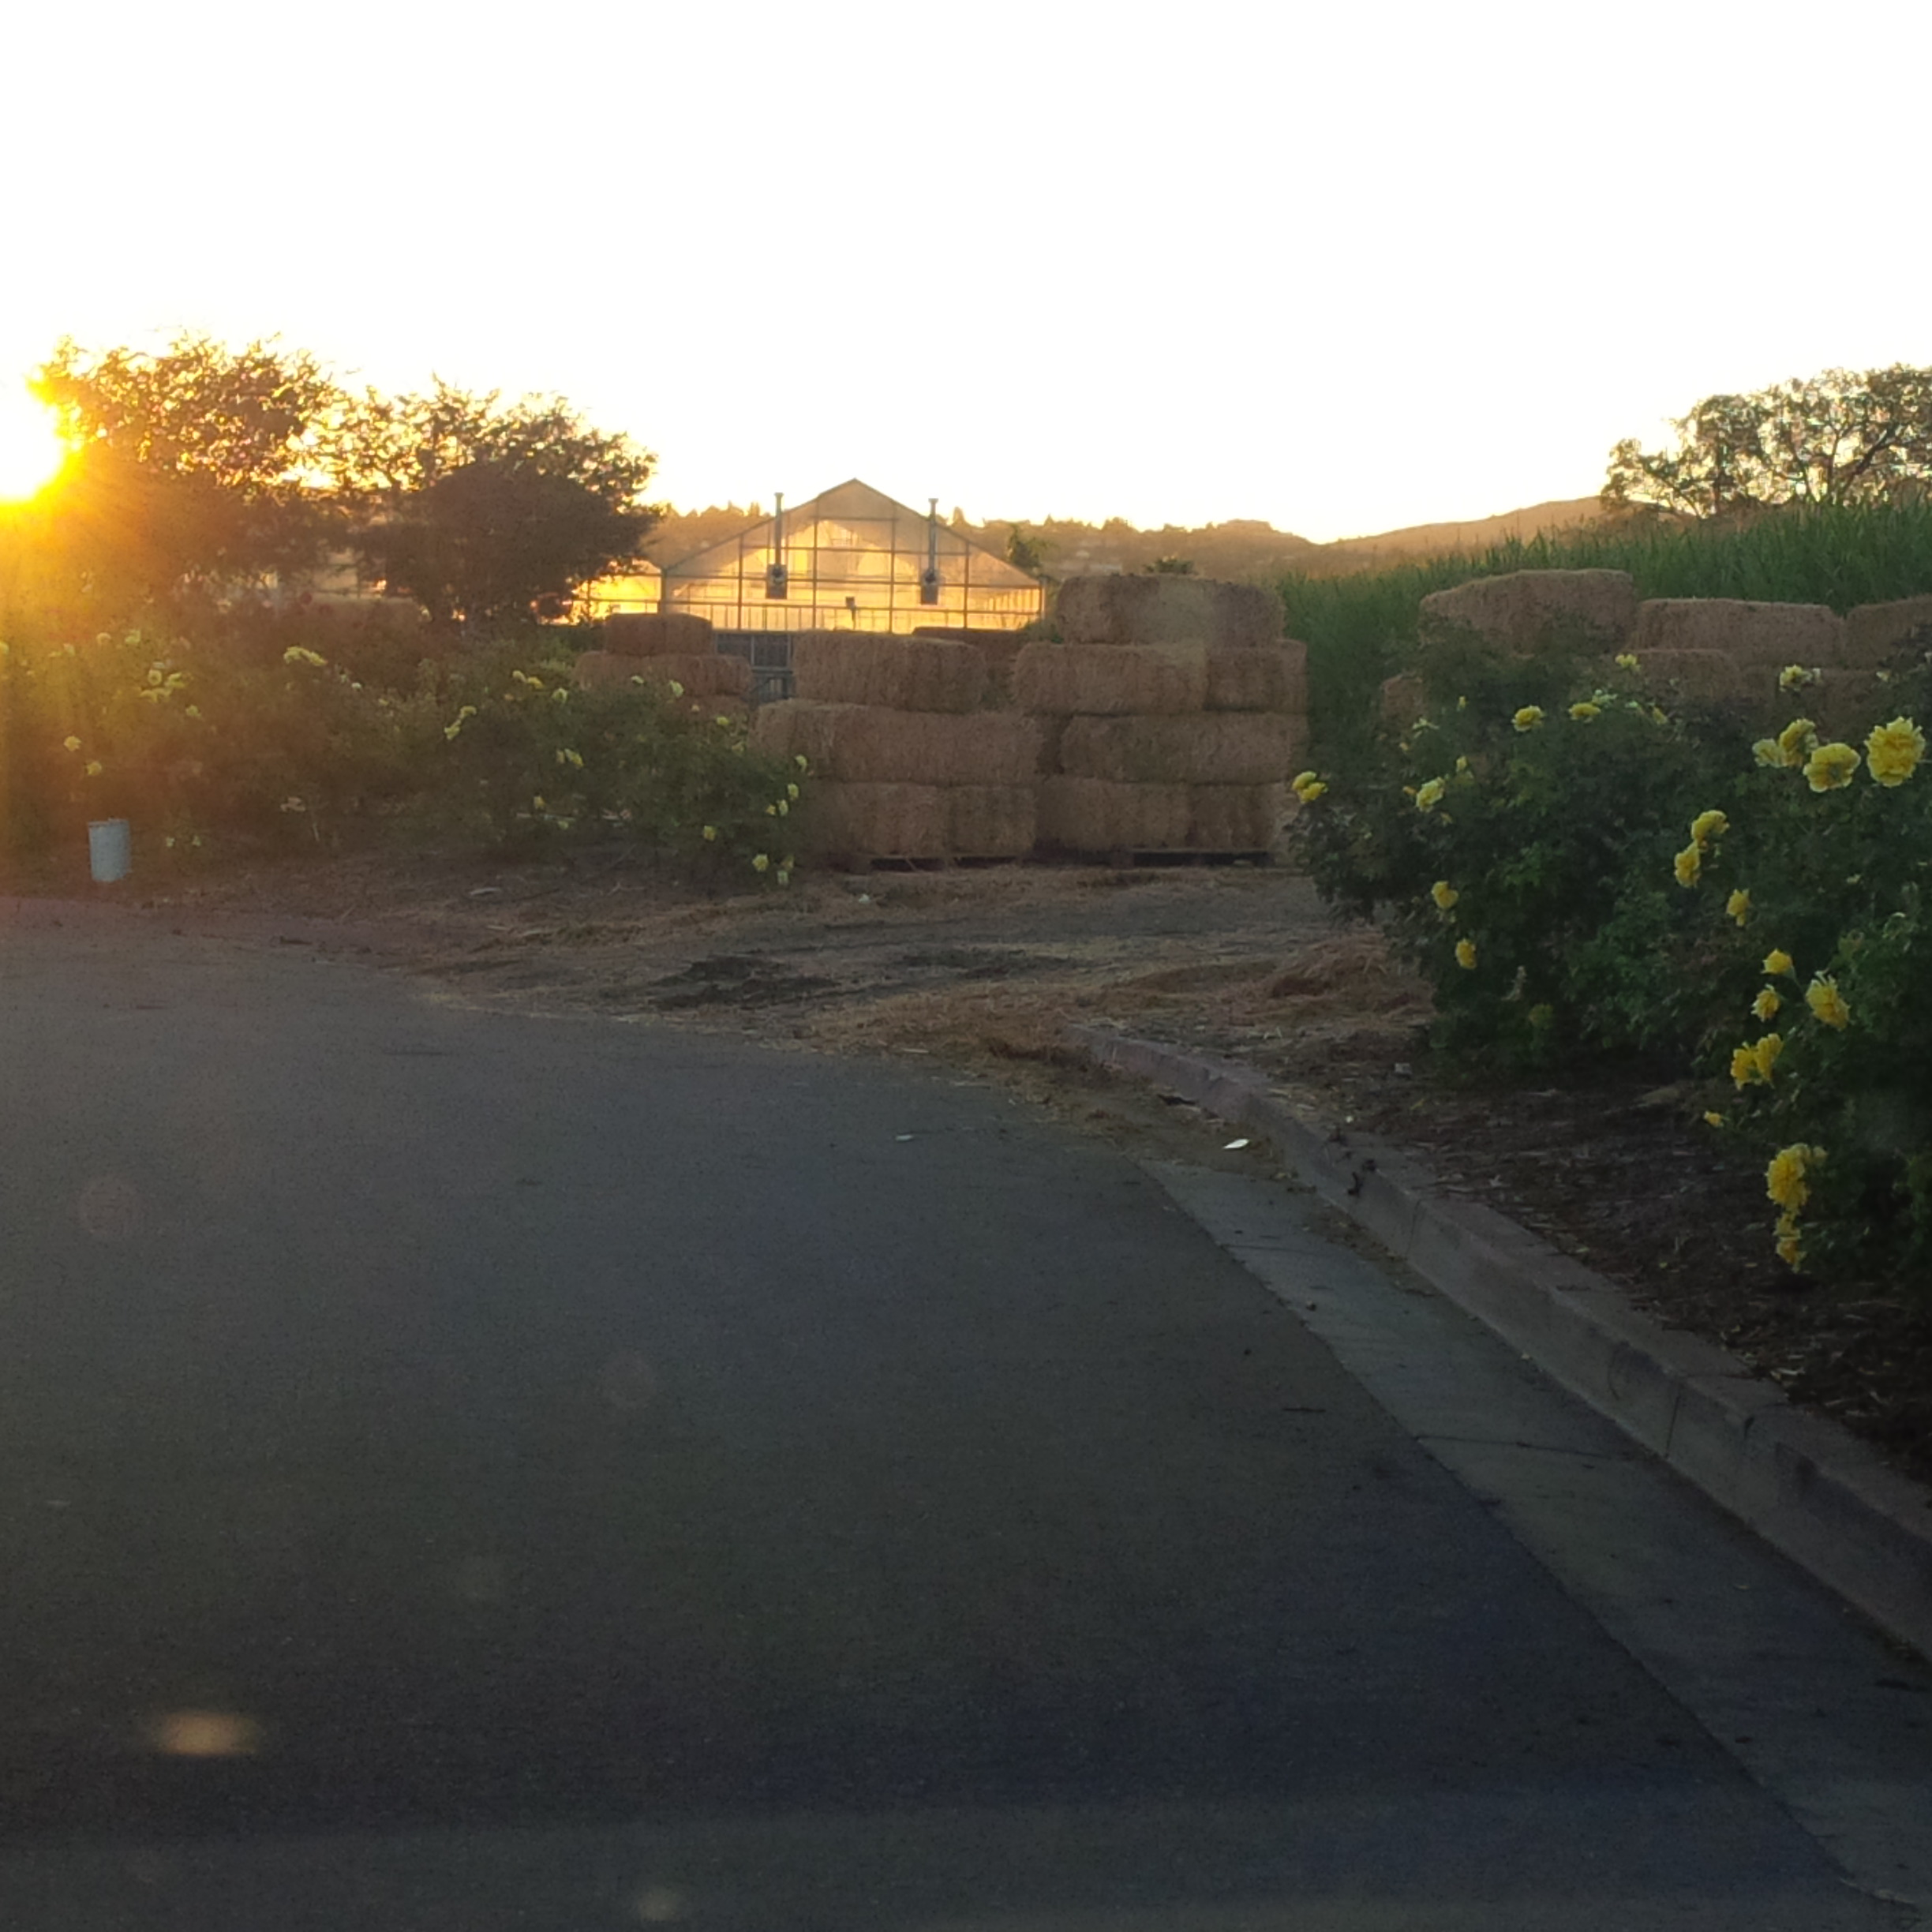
(657, 633)
(1762, 634)
(1877, 633)
(1167, 610)
(711, 675)
(1210, 748)
(903, 674)
(1269, 677)
(1092, 815)
(1401, 700)
(1708, 676)
(1103, 680)
(1235, 818)
(865, 744)
(1527, 612)
(872, 822)
(990, 822)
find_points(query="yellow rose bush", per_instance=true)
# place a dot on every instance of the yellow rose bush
(1833, 844)
(1498, 837)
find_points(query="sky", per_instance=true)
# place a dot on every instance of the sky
(1340, 267)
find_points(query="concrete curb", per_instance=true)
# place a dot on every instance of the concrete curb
(1807, 1487)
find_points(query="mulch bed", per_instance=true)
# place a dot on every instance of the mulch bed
(1628, 1179)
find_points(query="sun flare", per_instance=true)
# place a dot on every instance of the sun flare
(31, 452)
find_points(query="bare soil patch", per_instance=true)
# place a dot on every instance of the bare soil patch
(981, 971)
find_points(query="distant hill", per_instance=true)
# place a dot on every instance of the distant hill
(1241, 551)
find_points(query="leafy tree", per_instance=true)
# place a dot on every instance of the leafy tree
(484, 510)
(1840, 437)
(194, 468)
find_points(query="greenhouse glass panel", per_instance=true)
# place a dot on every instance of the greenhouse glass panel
(853, 556)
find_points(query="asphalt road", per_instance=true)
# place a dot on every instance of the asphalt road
(463, 1469)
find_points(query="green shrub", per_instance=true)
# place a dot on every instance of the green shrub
(1827, 870)
(527, 758)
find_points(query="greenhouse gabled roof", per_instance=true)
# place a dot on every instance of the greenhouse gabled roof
(849, 508)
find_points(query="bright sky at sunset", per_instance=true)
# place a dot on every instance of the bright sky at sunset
(1342, 268)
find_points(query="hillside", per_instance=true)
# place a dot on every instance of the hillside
(1245, 550)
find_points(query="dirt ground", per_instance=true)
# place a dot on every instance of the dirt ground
(982, 970)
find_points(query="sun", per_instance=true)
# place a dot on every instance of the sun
(31, 452)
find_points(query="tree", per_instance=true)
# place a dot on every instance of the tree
(486, 511)
(193, 468)
(1840, 437)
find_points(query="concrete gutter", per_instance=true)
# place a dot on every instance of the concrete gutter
(1806, 1485)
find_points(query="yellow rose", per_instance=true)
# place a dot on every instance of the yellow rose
(73, 744)
(1893, 751)
(1528, 718)
(1827, 1002)
(1708, 825)
(1796, 742)
(1831, 766)
(1790, 1249)
(1768, 751)
(1784, 1179)
(1738, 905)
(93, 768)
(1444, 894)
(1768, 1004)
(761, 862)
(1713, 1119)
(1777, 962)
(1688, 865)
(1429, 796)
(1627, 660)
(1583, 713)
(1466, 954)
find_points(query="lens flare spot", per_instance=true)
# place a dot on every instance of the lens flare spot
(204, 1734)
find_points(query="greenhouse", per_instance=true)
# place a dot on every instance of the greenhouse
(851, 558)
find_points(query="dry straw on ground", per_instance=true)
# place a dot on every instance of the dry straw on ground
(657, 633)
(1526, 611)
(863, 744)
(1760, 633)
(1270, 677)
(1092, 815)
(902, 674)
(1222, 747)
(1106, 680)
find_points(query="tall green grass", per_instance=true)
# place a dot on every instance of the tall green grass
(1361, 630)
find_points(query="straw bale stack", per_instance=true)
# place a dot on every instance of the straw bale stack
(900, 674)
(1264, 677)
(990, 822)
(1093, 815)
(1193, 612)
(1752, 634)
(1235, 818)
(1709, 676)
(865, 744)
(839, 821)
(1875, 632)
(1210, 748)
(711, 675)
(1525, 612)
(1106, 680)
(657, 633)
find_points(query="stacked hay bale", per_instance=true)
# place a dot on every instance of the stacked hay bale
(1709, 650)
(905, 763)
(1174, 714)
(668, 649)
